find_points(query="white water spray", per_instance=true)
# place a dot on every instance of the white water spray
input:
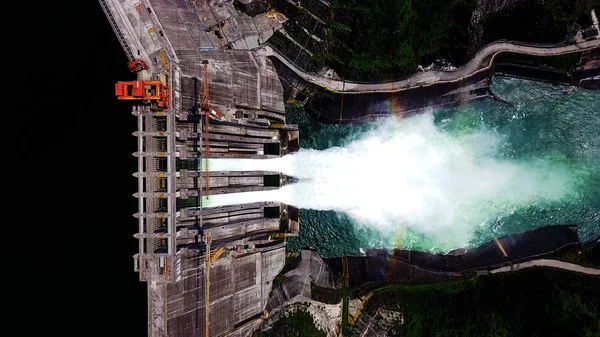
(407, 173)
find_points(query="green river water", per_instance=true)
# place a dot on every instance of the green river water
(547, 125)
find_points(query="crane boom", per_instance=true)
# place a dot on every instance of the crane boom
(208, 261)
(208, 240)
(206, 108)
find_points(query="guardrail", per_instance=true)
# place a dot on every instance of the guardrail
(115, 27)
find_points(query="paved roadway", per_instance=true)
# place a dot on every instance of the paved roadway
(548, 263)
(481, 62)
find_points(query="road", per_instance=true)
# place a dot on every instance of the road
(481, 62)
(548, 263)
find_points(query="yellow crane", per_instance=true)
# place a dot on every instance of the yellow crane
(208, 261)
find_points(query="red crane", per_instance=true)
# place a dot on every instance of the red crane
(149, 91)
(137, 65)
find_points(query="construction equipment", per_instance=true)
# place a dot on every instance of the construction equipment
(205, 105)
(149, 91)
(276, 15)
(277, 236)
(163, 59)
(137, 65)
(276, 125)
(208, 261)
(209, 113)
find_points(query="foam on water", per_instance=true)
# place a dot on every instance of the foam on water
(409, 176)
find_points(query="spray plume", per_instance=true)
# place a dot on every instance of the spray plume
(406, 173)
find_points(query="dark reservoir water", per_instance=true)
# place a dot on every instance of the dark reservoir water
(558, 126)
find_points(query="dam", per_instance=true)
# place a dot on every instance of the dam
(201, 93)
(206, 88)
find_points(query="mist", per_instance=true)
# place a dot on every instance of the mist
(407, 173)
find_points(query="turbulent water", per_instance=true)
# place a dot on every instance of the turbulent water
(447, 178)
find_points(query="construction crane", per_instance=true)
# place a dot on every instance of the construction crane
(137, 65)
(150, 91)
(208, 261)
(209, 113)
(205, 107)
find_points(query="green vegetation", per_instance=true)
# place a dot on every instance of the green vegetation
(581, 255)
(345, 308)
(297, 324)
(533, 302)
(389, 38)
(366, 288)
(538, 21)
